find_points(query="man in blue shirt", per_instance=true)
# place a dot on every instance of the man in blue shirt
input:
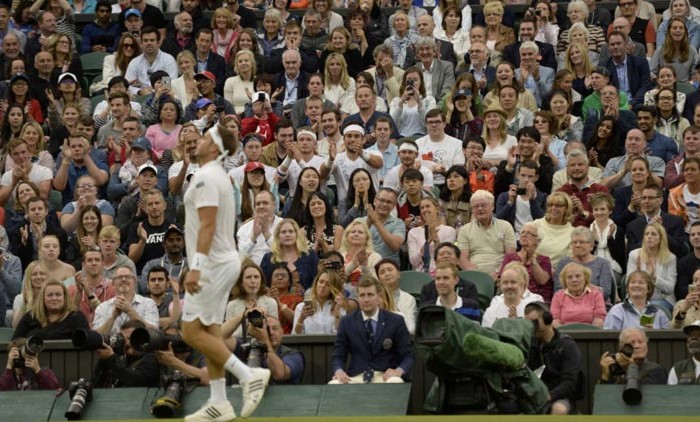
(285, 363)
(100, 34)
(659, 145)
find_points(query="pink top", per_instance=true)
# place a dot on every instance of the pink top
(582, 309)
(160, 141)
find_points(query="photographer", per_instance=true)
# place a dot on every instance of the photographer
(127, 367)
(190, 363)
(633, 349)
(23, 372)
(286, 364)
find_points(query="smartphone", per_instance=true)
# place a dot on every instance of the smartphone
(335, 265)
(309, 304)
(166, 81)
(646, 319)
(691, 287)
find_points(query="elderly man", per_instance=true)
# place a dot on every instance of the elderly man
(181, 39)
(439, 151)
(11, 49)
(127, 305)
(388, 232)
(616, 173)
(293, 80)
(527, 31)
(633, 47)
(153, 58)
(533, 76)
(630, 74)
(377, 341)
(687, 371)
(285, 364)
(426, 28)
(6, 28)
(314, 38)
(560, 357)
(387, 77)
(484, 74)
(485, 240)
(649, 372)
(438, 75)
(292, 41)
(255, 235)
(580, 187)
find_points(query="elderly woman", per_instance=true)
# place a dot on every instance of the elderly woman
(578, 12)
(577, 302)
(389, 275)
(402, 41)
(428, 235)
(224, 31)
(555, 228)
(326, 305)
(514, 297)
(539, 267)
(582, 245)
(498, 36)
(656, 259)
(53, 316)
(687, 310)
(636, 310)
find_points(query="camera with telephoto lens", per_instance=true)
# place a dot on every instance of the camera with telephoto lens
(81, 393)
(167, 405)
(147, 340)
(615, 369)
(632, 394)
(31, 348)
(92, 340)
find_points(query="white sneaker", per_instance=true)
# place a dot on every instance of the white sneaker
(253, 390)
(220, 412)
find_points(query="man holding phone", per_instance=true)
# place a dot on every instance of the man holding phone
(529, 148)
(523, 202)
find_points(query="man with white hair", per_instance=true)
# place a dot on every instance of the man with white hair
(616, 173)
(293, 80)
(438, 75)
(485, 240)
(341, 165)
(534, 77)
(182, 38)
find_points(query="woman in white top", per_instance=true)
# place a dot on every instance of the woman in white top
(338, 85)
(327, 304)
(115, 64)
(409, 110)
(185, 88)
(514, 297)
(452, 29)
(441, 11)
(389, 275)
(546, 23)
(358, 252)
(666, 79)
(35, 276)
(498, 142)
(436, 231)
(249, 292)
(237, 89)
(655, 258)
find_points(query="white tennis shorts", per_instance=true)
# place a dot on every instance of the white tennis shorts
(209, 304)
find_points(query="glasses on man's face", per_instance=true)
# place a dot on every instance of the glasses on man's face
(123, 278)
(630, 4)
(433, 122)
(86, 186)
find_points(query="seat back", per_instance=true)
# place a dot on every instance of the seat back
(484, 285)
(412, 282)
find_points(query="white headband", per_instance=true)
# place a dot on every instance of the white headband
(216, 137)
(354, 128)
(408, 146)
(306, 132)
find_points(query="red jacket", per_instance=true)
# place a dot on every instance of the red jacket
(584, 195)
(263, 127)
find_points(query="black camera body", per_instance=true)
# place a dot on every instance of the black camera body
(615, 369)
(255, 318)
(92, 340)
(31, 348)
(166, 406)
(632, 394)
(147, 340)
(81, 393)
(521, 191)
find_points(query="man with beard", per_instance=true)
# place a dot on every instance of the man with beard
(580, 187)
(687, 371)
(100, 34)
(173, 262)
(659, 145)
(180, 39)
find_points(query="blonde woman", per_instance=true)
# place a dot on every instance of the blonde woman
(578, 302)
(35, 276)
(223, 28)
(326, 305)
(513, 298)
(358, 252)
(33, 135)
(579, 34)
(290, 246)
(555, 228)
(61, 47)
(498, 142)
(402, 41)
(498, 36)
(185, 88)
(338, 86)
(238, 88)
(578, 62)
(340, 41)
(656, 259)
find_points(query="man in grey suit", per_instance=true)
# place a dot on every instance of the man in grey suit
(534, 77)
(438, 75)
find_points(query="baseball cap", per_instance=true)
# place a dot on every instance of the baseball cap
(173, 229)
(67, 76)
(148, 166)
(462, 93)
(206, 74)
(18, 76)
(690, 327)
(132, 12)
(254, 165)
(141, 143)
(203, 102)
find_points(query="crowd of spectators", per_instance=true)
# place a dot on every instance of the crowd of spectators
(558, 155)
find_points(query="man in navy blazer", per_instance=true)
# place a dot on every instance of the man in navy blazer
(638, 81)
(292, 77)
(382, 353)
(652, 197)
(511, 53)
(208, 60)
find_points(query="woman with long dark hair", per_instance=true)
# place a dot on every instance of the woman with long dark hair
(361, 191)
(86, 235)
(323, 236)
(455, 198)
(19, 93)
(676, 52)
(164, 134)
(12, 122)
(309, 182)
(116, 63)
(670, 122)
